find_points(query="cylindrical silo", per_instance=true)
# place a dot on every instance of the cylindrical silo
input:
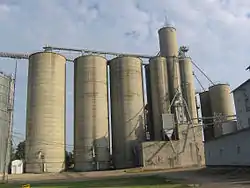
(187, 86)
(127, 109)
(149, 111)
(222, 106)
(169, 49)
(91, 146)
(160, 93)
(221, 100)
(168, 42)
(45, 131)
(6, 97)
(206, 111)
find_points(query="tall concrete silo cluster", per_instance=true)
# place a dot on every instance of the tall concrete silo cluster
(6, 99)
(171, 103)
(170, 86)
(45, 135)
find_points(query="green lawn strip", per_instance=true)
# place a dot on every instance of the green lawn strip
(131, 182)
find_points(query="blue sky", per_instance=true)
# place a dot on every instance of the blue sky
(216, 31)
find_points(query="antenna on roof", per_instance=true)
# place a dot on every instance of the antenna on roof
(167, 22)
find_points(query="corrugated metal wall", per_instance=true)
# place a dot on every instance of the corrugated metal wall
(5, 96)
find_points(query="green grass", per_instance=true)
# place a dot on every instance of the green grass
(135, 182)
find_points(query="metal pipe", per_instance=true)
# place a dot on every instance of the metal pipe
(203, 73)
(96, 52)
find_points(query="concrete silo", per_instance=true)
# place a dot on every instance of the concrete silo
(45, 131)
(169, 49)
(149, 112)
(168, 42)
(159, 92)
(222, 105)
(187, 86)
(6, 101)
(91, 144)
(207, 114)
(127, 109)
(221, 100)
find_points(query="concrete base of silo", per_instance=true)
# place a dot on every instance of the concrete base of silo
(186, 152)
(39, 167)
(92, 166)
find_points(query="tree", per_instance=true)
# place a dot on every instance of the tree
(69, 160)
(20, 151)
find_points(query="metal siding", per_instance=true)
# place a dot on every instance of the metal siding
(241, 104)
(187, 85)
(229, 155)
(45, 130)
(91, 113)
(160, 93)
(5, 88)
(126, 109)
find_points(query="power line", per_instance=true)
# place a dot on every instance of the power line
(204, 74)
(198, 81)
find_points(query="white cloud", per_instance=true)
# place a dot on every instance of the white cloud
(216, 31)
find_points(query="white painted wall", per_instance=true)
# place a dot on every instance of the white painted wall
(229, 150)
(17, 167)
(242, 105)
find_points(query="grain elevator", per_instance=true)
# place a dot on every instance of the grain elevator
(122, 118)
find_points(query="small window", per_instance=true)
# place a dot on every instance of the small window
(238, 149)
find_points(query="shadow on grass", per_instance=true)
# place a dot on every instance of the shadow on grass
(151, 181)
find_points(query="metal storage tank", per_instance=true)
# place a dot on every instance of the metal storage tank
(206, 112)
(187, 86)
(91, 145)
(6, 99)
(160, 93)
(149, 115)
(127, 109)
(169, 49)
(45, 131)
(221, 101)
